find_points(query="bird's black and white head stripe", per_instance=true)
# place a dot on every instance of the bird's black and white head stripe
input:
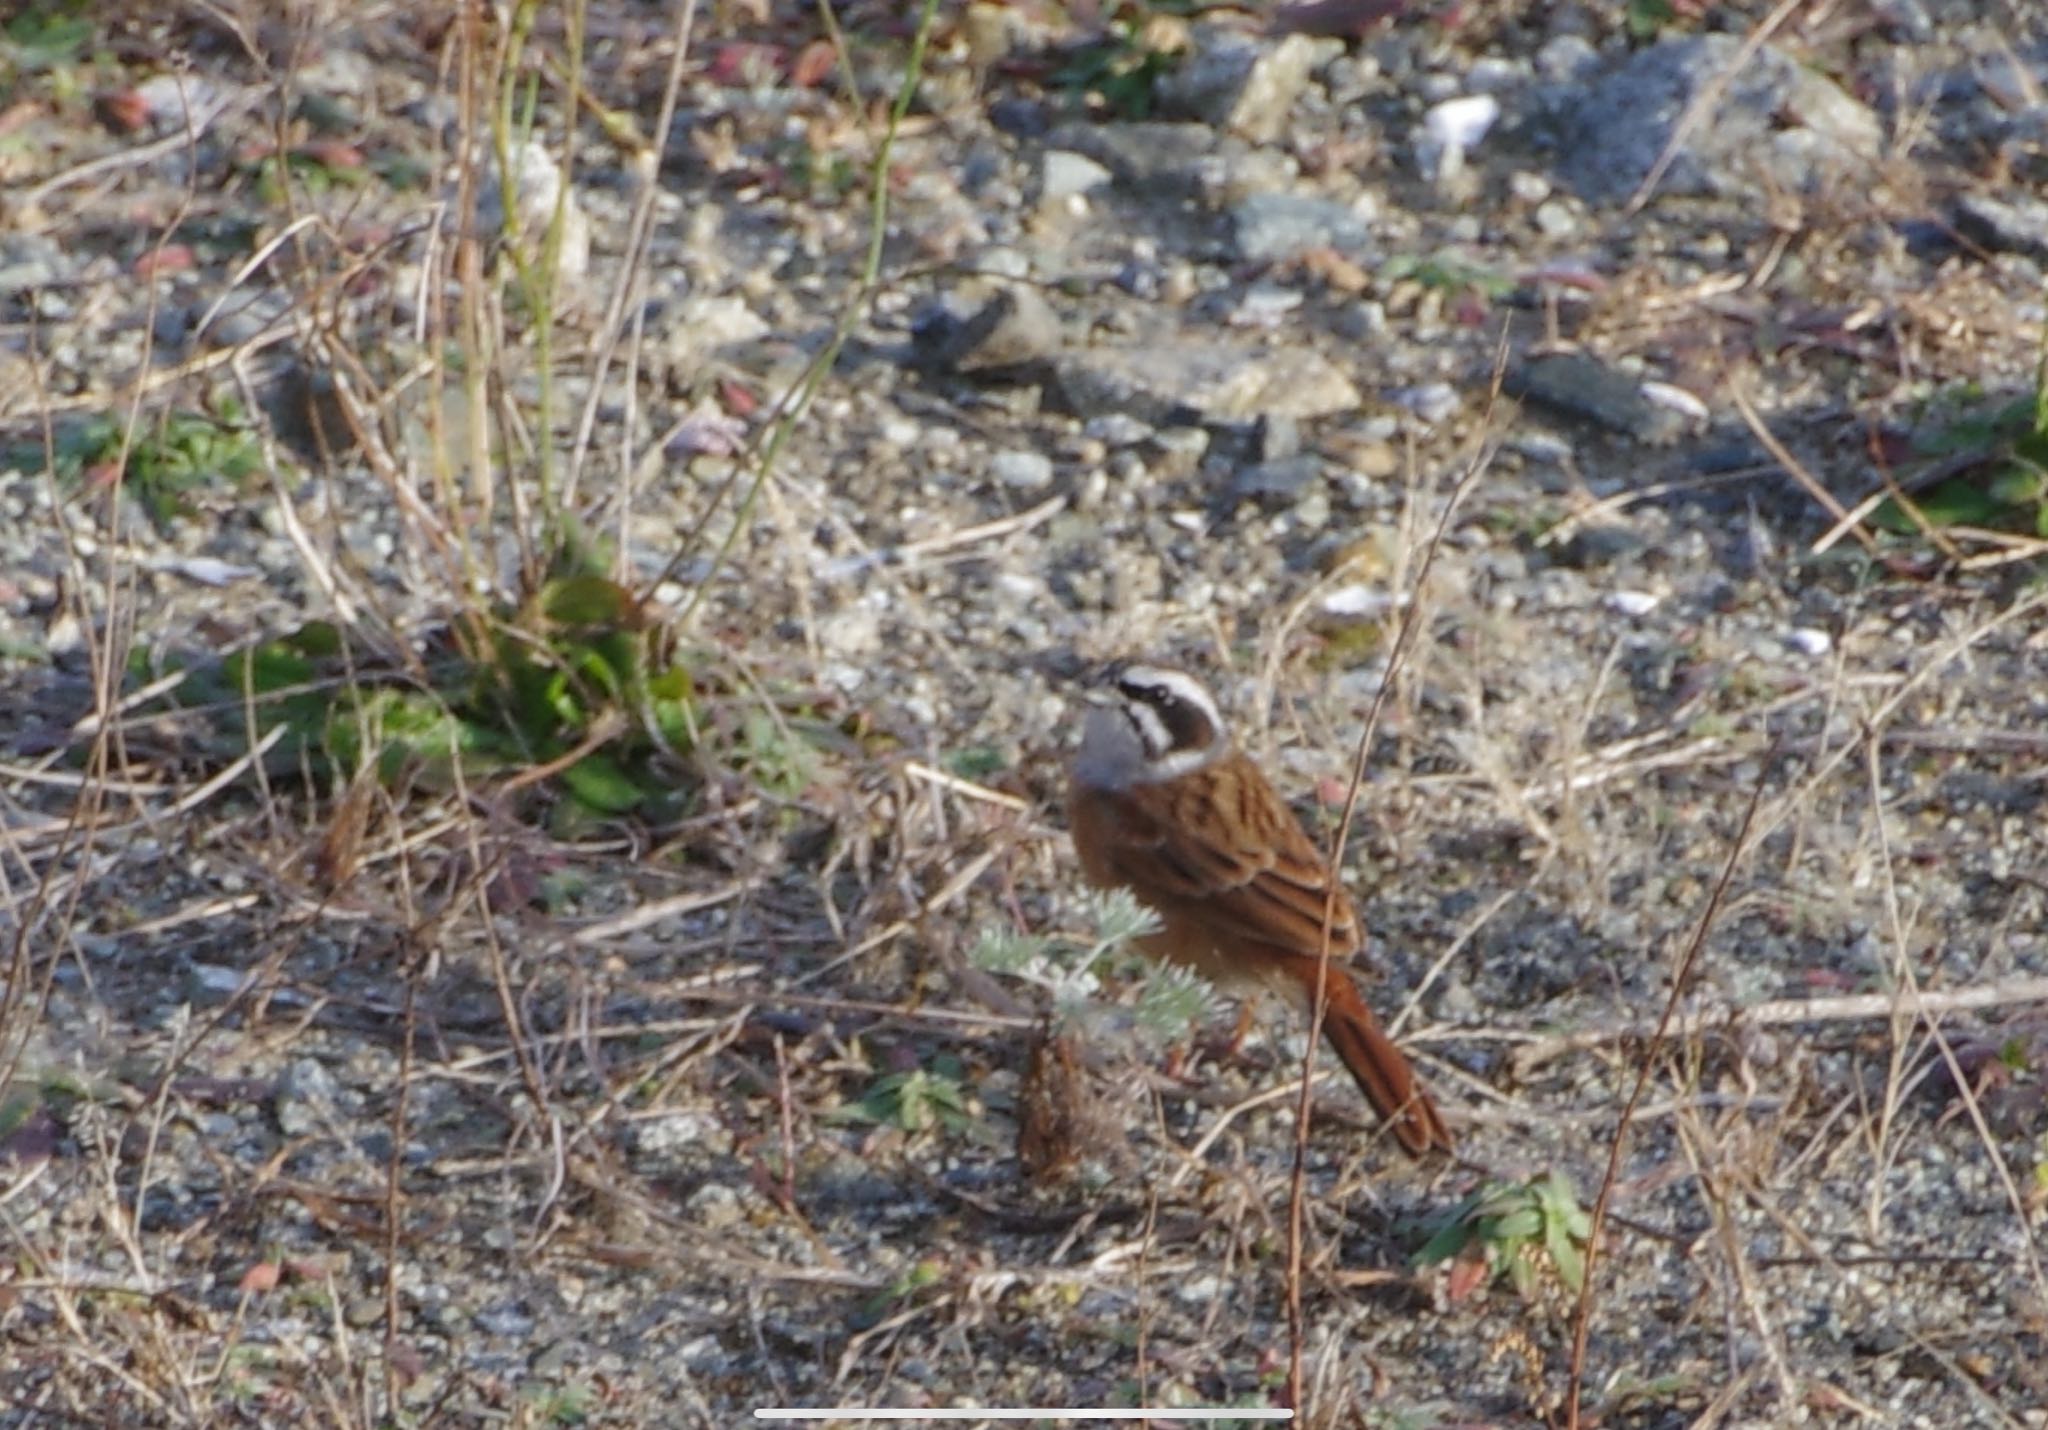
(1175, 718)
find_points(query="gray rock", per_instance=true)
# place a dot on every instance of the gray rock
(1117, 429)
(1062, 173)
(1555, 219)
(1582, 386)
(1151, 157)
(1279, 481)
(715, 1206)
(306, 1099)
(1171, 383)
(2016, 224)
(1186, 443)
(1279, 437)
(1599, 545)
(1266, 305)
(1269, 228)
(1774, 122)
(246, 316)
(702, 326)
(1433, 402)
(692, 1133)
(1021, 471)
(31, 260)
(1566, 57)
(510, 1318)
(1241, 82)
(1013, 329)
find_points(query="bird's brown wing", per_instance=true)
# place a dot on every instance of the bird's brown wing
(1222, 839)
(1217, 849)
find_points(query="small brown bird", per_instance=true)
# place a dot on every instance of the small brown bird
(1163, 803)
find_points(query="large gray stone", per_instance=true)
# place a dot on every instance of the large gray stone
(1241, 82)
(1773, 121)
(1271, 228)
(1208, 381)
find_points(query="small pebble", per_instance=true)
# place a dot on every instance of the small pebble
(1022, 471)
(1810, 642)
(1632, 603)
(1432, 402)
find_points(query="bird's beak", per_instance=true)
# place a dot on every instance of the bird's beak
(1101, 678)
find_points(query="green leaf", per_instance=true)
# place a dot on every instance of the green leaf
(1004, 950)
(588, 601)
(977, 763)
(2019, 484)
(1565, 1255)
(46, 36)
(1522, 1225)
(1451, 1238)
(599, 782)
(1953, 503)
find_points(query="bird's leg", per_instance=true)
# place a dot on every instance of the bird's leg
(1230, 1049)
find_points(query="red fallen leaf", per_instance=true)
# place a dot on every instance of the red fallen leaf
(124, 111)
(812, 64)
(332, 154)
(737, 398)
(1471, 310)
(1890, 447)
(171, 258)
(406, 1361)
(101, 475)
(1468, 1274)
(263, 1276)
(1330, 791)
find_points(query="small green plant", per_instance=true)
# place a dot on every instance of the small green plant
(916, 1100)
(1646, 17)
(771, 749)
(977, 762)
(175, 456)
(576, 681)
(571, 1404)
(43, 36)
(1121, 71)
(1170, 1000)
(314, 169)
(928, 1272)
(1516, 1228)
(809, 173)
(189, 451)
(1448, 274)
(2003, 455)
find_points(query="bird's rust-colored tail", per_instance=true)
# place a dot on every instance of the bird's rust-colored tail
(1381, 1069)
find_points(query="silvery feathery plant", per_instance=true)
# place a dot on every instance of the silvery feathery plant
(1170, 1002)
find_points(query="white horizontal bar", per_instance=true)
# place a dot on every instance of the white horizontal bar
(1157, 1412)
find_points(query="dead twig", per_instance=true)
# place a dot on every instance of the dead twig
(1582, 1314)
(1781, 1012)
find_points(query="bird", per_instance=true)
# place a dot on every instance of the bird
(1163, 803)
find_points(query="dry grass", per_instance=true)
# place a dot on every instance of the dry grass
(608, 1144)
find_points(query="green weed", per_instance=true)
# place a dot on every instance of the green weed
(1517, 1228)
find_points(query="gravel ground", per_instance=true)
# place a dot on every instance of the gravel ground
(1605, 331)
